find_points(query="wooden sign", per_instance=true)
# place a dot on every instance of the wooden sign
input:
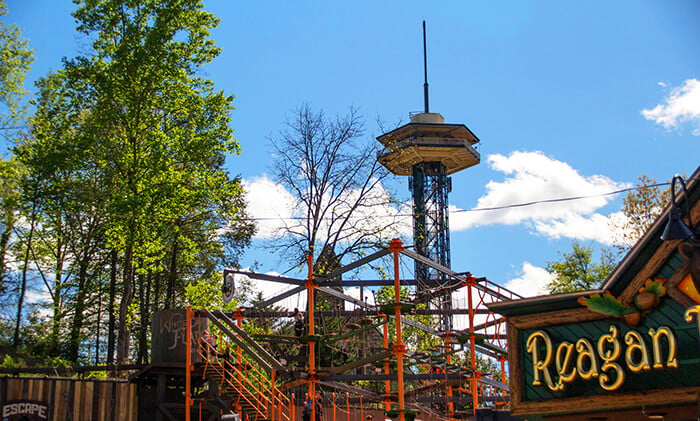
(25, 410)
(168, 336)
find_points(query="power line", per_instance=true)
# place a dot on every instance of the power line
(563, 199)
(502, 207)
(398, 215)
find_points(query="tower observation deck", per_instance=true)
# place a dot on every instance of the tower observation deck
(428, 151)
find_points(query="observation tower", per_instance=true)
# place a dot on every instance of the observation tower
(428, 151)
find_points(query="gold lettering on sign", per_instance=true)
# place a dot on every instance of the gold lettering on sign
(689, 315)
(609, 351)
(635, 343)
(563, 357)
(586, 352)
(540, 365)
(585, 361)
(656, 346)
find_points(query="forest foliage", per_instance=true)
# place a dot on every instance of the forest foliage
(115, 199)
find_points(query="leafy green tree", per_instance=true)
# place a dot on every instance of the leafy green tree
(15, 61)
(129, 149)
(576, 271)
(641, 207)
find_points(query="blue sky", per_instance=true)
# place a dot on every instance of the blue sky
(567, 98)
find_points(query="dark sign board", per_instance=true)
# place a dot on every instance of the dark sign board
(169, 333)
(25, 410)
(609, 356)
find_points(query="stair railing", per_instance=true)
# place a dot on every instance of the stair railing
(254, 388)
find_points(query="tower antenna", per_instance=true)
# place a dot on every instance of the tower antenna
(425, 72)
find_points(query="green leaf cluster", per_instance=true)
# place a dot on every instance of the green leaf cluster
(123, 179)
(576, 271)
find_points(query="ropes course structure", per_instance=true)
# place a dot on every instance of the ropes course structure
(446, 374)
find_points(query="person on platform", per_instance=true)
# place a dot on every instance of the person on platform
(319, 406)
(298, 323)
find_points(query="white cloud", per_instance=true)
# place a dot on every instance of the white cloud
(273, 208)
(532, 177)
(682, 105)
(532, 282)
(269, 203)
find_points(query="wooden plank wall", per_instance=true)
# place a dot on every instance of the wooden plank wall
(75, 399)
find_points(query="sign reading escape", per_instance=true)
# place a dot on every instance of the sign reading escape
(25, 410)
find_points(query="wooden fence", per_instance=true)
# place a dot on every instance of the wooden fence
(74, 399)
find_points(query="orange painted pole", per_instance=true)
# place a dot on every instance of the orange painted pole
(239, 322)
(347, 404)
(292, 409)
(188, 362)
(362, 410)
(448, 360)
(472, 347)
(399, 349)
(502, 360)
(387, 383)
(310, 285)
(334, 409)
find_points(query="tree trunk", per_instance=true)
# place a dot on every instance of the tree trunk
(99, 320)
(4, 241)
(172, 276)
(57, 305)
(23, 286)
(79, 308)
(144, 297)
(110, 308)
(124, 335)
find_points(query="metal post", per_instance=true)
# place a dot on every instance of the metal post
(399, 349)
(387, 383)
(425, 69)
(472, 346)
(188, 363)
(448, 360)
(310, 285)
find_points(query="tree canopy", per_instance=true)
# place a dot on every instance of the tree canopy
(129, 203)
(576, 271)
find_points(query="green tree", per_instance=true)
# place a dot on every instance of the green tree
(129, 148)
(15, 61)
(576, 271)
(640, 207)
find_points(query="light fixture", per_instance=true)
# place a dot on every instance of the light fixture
(676, 229)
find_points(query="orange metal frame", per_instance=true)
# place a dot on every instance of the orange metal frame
(241, 378)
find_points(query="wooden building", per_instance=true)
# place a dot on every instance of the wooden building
(627, 351)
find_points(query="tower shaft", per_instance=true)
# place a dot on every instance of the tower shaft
(430, 187)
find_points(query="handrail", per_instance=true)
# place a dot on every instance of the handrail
(253, 385)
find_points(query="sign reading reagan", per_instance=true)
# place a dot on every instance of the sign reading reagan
(606, 359)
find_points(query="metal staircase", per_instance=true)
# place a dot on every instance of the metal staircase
(239, 380)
